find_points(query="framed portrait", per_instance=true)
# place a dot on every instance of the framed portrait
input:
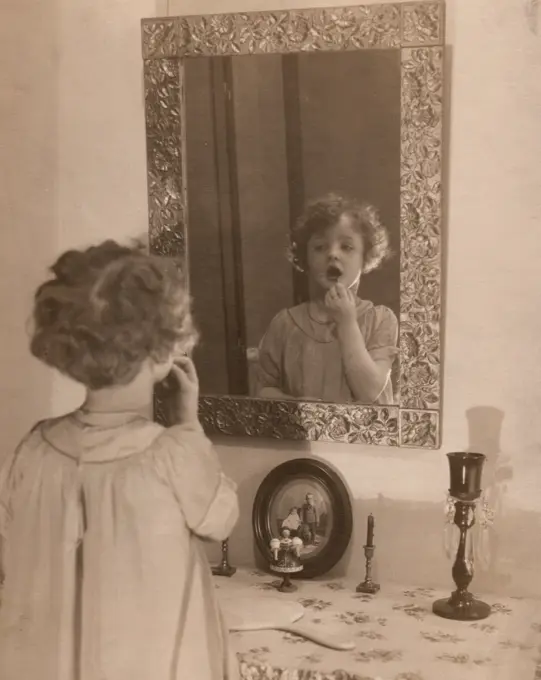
(309, 499)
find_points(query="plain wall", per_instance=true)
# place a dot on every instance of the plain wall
(72, 146)
(359, 154)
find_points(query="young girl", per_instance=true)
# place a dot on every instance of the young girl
(292, 521)
(335, 347)
(102, 511)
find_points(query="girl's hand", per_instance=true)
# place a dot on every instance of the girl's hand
(341, 303)
(186, 403)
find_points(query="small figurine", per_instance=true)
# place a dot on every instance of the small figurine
(286, 559)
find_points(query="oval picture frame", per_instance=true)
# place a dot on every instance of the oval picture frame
(285, 490)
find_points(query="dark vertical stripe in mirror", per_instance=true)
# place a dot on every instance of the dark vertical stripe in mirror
(226, 168)
(295, 174)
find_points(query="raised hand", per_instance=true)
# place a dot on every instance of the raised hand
(341, 304)
(185, 408)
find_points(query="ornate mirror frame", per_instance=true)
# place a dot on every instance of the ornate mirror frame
(417, 30)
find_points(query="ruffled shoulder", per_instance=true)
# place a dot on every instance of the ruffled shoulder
(12, 469)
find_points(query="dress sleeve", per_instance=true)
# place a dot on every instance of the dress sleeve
(9, 471)
(383, 341)
(207, 497)
(269, 367)
(5, 492)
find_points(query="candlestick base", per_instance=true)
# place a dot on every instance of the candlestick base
(367, 587)
(223, 570)
(287, 586)
(461, 608)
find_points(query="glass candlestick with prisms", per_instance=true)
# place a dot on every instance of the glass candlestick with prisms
(462, 510)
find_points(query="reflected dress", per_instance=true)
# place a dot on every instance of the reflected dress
(302, 357)
(106, 576)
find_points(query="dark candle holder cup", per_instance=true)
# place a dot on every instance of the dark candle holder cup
(466, 471)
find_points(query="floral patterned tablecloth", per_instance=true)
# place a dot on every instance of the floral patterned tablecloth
(396, 634)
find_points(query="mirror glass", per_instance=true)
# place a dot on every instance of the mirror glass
(293, 185)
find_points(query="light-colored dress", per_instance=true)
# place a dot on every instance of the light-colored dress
(292, 522)
(106, 577)
(302, 357)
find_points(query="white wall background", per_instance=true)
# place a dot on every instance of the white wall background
(72, 150)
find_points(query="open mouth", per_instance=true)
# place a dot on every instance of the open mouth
(333, 272)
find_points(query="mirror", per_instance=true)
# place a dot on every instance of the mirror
(265, 135)
(294, 162)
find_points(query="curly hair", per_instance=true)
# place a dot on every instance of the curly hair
(325, 212)
(106, 310)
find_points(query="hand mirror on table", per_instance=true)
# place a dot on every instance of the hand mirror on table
(268, 613)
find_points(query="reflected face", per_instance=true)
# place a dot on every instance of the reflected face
(335, 255)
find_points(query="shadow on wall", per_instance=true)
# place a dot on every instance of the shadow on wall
(409, 535)
(484, 428)
(403, 554)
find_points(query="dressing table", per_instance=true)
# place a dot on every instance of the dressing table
(396, 634)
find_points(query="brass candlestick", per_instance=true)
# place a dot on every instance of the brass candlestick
(224, 568)
(466, 470)
(368, 586)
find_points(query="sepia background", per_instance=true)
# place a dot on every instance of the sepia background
(72, 137)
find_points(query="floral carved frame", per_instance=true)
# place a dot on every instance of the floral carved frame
(417, 30)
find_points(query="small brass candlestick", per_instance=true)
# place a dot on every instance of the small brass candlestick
(466, 470)
(368, 586)
(224, 568)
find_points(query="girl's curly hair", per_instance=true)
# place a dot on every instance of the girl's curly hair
(324, 212)
(107, 309)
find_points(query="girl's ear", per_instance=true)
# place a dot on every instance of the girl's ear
(293, 257)
(160, 370)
